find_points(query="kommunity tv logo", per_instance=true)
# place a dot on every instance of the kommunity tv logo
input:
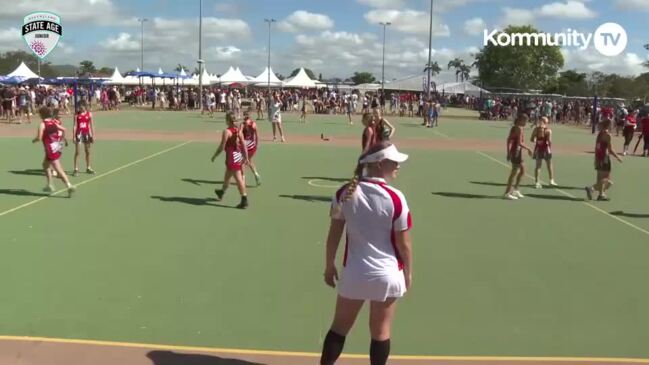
(610, 39)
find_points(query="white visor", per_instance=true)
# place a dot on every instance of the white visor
(389, 153)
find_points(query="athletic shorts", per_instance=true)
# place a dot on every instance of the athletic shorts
(516, 157)
(84, 138)
(375, 288)
(542, 155)
(603, 165)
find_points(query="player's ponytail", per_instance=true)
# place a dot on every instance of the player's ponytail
(358, 171)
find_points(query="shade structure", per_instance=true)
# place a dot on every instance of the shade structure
(23, 71)
(465, 88)
(116, 78)
(233, 76)
(301, 80)
(262, 79)
(368, 87)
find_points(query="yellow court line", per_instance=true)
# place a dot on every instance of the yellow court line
(629, 224)
(95, 178)
(312, 354)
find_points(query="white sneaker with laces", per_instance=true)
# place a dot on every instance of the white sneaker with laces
(538, 185)
(553, 183)
(510, 196)
(517, 194)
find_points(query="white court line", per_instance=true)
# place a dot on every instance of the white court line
(442, 134)
(572, 196)
(312, 182)
(95, 178)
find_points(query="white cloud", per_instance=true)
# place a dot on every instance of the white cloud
(627, 64)
(474, 26)
(340, 54)
(570, 9)
(632, 4)
(102, 12)
(515, 16)
(408, 21)
(11, 39)
(228, 7)
(393, 4)
(228, 53)
(123, 42)
(302, 20)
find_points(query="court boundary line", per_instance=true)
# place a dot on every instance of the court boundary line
(565, 193)
(311, 182)
(30, 203)
(215, 350)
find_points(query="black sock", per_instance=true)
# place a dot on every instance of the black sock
(379, 352)
(332, 348)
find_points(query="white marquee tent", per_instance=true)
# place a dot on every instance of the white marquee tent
(262, 79)
(233, 76)
(23, 71)
(301, 80)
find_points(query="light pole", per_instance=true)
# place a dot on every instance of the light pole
(142, 20)
(270, 22)
(430, 48)
(200, 54)
(383, 63)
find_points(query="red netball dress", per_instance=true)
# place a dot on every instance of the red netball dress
(52, 140)
(233, 155)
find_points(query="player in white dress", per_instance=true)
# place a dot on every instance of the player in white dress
(377, 263)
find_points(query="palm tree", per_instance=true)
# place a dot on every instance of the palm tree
(434, 68)
(180, 67)
(457, 63)
(465, 72)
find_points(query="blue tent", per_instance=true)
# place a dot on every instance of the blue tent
(14, 80)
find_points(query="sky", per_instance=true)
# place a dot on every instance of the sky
(334, 38)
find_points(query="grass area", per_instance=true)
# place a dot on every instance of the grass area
(144, 254)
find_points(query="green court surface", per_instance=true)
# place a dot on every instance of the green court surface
(142, 252)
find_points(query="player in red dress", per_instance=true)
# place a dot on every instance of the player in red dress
(83, 132)
(236, 156)
(51, 133)
(542, 139)
(515, 147)
(603, 150)
(369, 133)
(629, 129)
(251, 140)
(645, 135)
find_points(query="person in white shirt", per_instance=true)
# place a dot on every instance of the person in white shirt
(377, 263)
(276, 118)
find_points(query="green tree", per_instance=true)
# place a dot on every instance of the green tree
(180, 67)
(434, 68)
(520, 67)
(105, 71)
(465, 72)
(12, 59)
(320, 77)
(308, 72)
(87, 67)
(457, 64)
(646, 64)
(571, 83)
(363, 78)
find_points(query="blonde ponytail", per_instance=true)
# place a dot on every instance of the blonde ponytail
(353, 184)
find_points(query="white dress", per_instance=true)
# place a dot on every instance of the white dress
(372, 268)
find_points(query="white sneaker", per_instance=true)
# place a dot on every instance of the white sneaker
(510, 196)
(517, 194)
(48, 189)
(624, 153)
(553, 183)
(538, 185)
